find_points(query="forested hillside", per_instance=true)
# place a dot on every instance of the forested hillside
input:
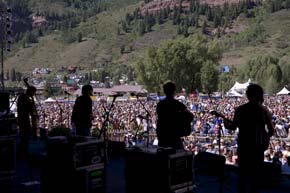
(189, 41)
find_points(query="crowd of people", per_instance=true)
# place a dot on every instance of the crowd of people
(130, 121)
(247, 131)
(128, 117)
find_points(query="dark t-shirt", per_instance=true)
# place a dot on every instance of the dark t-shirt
(82, 112)
(168, 123)
(251, 119)
(26, 111)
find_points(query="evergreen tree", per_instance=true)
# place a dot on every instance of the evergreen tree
(13, 74)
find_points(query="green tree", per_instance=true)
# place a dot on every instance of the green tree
(285, 67)
(179, 60)
(141, 28)
(265, 70)
(18, 76)
(209, 77)
(64, 79)
(12, 74)
(226, 80)
(80, 37)
(7, 75)
(47, 91)
(122, 49)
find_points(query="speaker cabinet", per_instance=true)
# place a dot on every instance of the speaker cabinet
(212, 165)
(7, 157)
(146, 170)
(4, 104)
(74, 165)
(209, 164)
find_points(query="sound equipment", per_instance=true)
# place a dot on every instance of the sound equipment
(4, 98)
(76, 152)
(205, 163)
(8, 125)
(88, 153)
(270, 174)
(7, 157)
(146, 170)
(74, 164)
(92, 179)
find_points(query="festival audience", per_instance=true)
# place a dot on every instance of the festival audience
(127, 119)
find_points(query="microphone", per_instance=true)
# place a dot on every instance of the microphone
(116, 95)
(67, 92)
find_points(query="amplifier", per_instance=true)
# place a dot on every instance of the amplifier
(146, 170)
(7, 157)
(76, 152)
(4, 98)
(88, 153)
(92, 179)
(73, 164)
(8, 125)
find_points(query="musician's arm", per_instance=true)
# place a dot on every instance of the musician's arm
(229, 124)
(232, 124)
(269, 124)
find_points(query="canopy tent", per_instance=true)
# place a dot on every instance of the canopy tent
(240, 87)
(233, 93)
(49, 100)
(284, 91)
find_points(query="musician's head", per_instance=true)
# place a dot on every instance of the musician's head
(255, 93)
(31, 90)
(169, 89)
(87, 90)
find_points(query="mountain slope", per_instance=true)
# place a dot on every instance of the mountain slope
(102, 41)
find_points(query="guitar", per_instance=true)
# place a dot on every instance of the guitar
(264, 138)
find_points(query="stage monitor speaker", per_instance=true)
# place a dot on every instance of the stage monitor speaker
(270, 175)
(205, 163)
(77, 153)
(4, 101)
(146, 170)
(92, 179)
(7, 156)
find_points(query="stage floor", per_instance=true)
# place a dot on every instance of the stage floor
(27, 179)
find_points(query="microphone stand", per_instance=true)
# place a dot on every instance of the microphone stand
(43, 131)
(68, 113)
(60, 108)
(147, 118)
(220, 131)
(220, 134)
(138, 128)
(104, 129)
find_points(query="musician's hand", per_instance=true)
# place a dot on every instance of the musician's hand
(228, 124)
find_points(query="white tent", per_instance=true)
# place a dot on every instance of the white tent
(240, 87)
(284, 91)
(233, 93)
(49, 100)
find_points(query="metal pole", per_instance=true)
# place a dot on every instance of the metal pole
(2, 34)
(2, 64)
